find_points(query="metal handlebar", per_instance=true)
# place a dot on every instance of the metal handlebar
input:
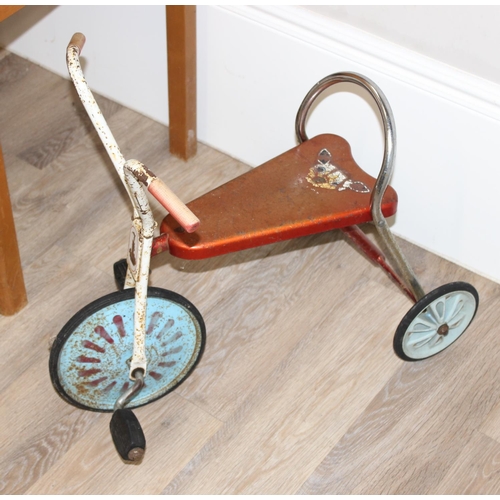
(156, 187)
(387, 163)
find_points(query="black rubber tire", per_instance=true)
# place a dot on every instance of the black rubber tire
(120, 272)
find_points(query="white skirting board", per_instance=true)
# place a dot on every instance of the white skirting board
(255, 65)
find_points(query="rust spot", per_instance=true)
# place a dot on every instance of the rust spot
(443, 330)
(146, 169)
(81, 389)
(136, 455)
(144, 175)
(326, 174)
(160, 244)
(132, 253)
(90, 345)
(85, 359)
(141, 177)
(100, 330)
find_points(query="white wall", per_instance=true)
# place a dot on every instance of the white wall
(124, 58)
(255, 64)
(464, 36)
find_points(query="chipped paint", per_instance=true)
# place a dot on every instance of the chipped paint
(324, 174)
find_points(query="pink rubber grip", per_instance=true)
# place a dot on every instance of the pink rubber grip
(174, 205)
(78, 41)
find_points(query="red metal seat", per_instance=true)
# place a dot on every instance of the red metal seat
(312, 188)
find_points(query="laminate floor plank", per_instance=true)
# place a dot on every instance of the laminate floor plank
(174, 430)
(33, 459)
(303, 407)
(490, 426)
(48, 129)
(407, 438)
(476, 470)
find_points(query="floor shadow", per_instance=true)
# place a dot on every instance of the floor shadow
(246, 256)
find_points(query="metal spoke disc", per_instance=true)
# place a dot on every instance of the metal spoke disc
(436, 321)
(89, 361)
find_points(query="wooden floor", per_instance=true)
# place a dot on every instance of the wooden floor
(299, 390)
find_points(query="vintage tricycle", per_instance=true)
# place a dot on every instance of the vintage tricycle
(134, 346)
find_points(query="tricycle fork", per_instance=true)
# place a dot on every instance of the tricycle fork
(136, 178)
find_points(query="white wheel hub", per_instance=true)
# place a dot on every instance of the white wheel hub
(439, 324)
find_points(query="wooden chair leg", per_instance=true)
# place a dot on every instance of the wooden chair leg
(12, 290)
(181, 52)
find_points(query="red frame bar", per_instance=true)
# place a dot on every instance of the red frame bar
(374, 254)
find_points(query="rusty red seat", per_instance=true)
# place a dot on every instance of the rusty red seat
(314, 187)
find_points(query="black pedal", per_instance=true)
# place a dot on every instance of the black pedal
(120, 272)
(127, 435)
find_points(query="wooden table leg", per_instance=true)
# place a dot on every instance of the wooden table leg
(181, 52)
(12, 290)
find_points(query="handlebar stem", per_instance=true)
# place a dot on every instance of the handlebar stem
(91, 107)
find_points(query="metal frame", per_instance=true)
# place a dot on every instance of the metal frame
(400, 270)
(137, 178)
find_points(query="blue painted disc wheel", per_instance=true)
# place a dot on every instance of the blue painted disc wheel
(90, 358)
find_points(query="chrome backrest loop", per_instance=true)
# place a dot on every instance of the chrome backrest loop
(387, 120)
(384, 176)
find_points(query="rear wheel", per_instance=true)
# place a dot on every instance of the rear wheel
(436, 321)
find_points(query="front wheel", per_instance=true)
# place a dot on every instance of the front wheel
(436, 321)
(90, 358)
